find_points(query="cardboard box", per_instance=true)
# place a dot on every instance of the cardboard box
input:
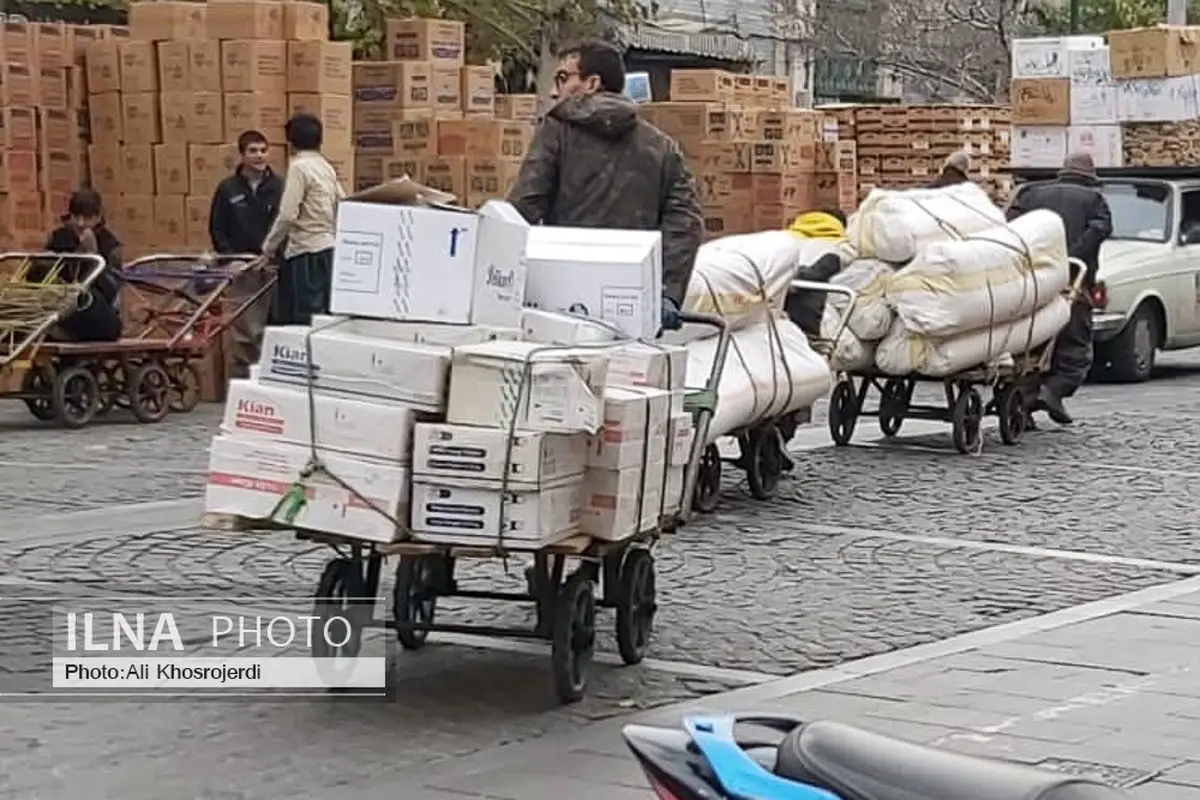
(105, 117)
(501, 383)
(1041, 101)
(104, 163)
(61, 172)
(619, 504)
(489, 178)
(167, 19)
(680, 436)
(463, 513)
(334, 111)
(417, 332)
(103, 67)
(260, 111)
(22, 216)
(140, 122)
(19, 130)
(357, 427)
(658, 366)
(245, 19)
(447, 93)
(523, 107)
(137, 166)
(612, 275)
(414, 134)
(458, 266)
(393, 84)
(478, 90)
(437, 40)
(17, 41)
(194, 117)
(1160, 51)
(170, 221)
(697, 122)
(249, 477)
(413, 374)
(1103, 142)
(701, 85)
(483, 455)
(673, 490)
(1044, 147)
(79, 37)
(196, 208)
(1048, 57)
(483, 137)
(18, 85)
(303, 21)
(1157, 100)
(552, 327)
(208, 165)
(171, 169)
(52, 88)
(18, 172)
(635, 428)
(205, 69)
(320, 67)
(254, 65)
(139, 66)
(135, 218)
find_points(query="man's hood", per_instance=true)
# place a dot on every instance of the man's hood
(604, 114)
(818, 225)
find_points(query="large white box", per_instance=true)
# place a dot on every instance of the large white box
(1038, 146)
(635, 423)
(681, 433)
(620, 503)
(1048, 57)
(528, 386)
(1157, 99)
(414, 374)
(399, 255)
(1103, 142)
(612, 275)
(249, 477)
(461, 513)
(661, 366)
(1093, 92)
(359, 427)
(558, 327)
(483, 454)
(673, 490)
(435, 333)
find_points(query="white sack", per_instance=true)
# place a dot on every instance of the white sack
(770, 370)
(868, 277)
(894, 225)
(850, 353)
(745, 278)
(902, 352)
(998, 275)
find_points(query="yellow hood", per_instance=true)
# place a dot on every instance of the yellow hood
(818, 225)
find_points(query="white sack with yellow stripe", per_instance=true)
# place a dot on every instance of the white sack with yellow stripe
(997, 275)
(745, 278)
(895, 225)
(770, 370)
(850, 353)
(902, 352)
(871, 317)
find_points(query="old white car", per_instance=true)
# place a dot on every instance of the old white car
(1147, 294)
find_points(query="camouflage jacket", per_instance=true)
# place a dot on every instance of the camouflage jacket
(595, 163)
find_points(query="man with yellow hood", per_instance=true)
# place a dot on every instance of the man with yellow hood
(827, 227)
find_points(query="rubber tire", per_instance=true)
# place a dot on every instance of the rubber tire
(893, 403)
(149, 382)
(636, 577)
(1010, 411)
(967, 418)
(185, 387)
(421, 571)
(707, 495)
(340, 581)
(1121, 351)
(764, 462)
(843, 412)
(69, 418)
(572, 664)
(40, 380)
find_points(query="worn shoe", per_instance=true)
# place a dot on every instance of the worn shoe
(1052, 404)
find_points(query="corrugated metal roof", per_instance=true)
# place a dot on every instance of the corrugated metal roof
(687, 36)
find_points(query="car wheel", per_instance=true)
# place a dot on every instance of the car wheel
(1129, 358)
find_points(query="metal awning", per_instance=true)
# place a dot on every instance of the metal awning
(686, 37)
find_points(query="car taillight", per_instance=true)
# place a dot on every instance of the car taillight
(1099, 296)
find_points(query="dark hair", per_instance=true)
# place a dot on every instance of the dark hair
(600, 59)
(248, 138)
(836, 213)
(304, 132)
(85, 203)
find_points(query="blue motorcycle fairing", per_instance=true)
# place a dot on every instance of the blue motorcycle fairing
(737, 774)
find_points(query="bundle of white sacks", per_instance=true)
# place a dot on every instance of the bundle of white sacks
(973, 289)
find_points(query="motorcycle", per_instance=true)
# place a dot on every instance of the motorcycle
(767, 757)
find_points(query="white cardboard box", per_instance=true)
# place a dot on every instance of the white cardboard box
(613, 275)
(442, 335)
(1157, 99)
(1093, 92)
(620, 503)
(248, 477)
(635, 424)
(463, 513)
(681, 433)
(556, 390)
(400, 256)
(673, 490)
(1104, 142)
(1038, 146)
(558, 327)
(414, 374)
(661, 366)
(482, 454)
(279, 412)
(1047, 57)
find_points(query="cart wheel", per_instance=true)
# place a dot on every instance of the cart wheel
(636, 605)
(110, 387)
(708, 481)
(843, 412)
(75, 397)
(185, 387)
(340, 586)
(764, 462)
(967, 420)
(149, 393)
(1010, 408)
(415, 598)
(39, 381)
(893, 405)
(574, 642)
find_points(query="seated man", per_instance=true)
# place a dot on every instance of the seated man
(83, 231)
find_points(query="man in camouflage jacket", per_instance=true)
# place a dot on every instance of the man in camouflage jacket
(595, 163)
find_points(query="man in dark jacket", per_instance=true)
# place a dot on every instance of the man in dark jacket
(955, 170)
(1075, 196)
(595, 163)
(83, 231)
(243, 208)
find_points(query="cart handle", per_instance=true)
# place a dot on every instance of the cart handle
(1080, 271)
(214, 260)
(832, 288)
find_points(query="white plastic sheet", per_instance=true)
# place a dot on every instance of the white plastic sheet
(902, 352)
(895, 225)
(850, 353)
(871, 317)
(997, 275)
(770, 370)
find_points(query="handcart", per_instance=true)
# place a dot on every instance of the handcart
(964, 407)
(762, 450)
(563, 584)
(172, 312)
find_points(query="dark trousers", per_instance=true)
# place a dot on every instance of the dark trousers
(1072, 358)
(248, 329)
(304, 283)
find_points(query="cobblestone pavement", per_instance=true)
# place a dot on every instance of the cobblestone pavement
(862, 553)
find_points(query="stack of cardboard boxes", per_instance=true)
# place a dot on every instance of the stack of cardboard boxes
(427, 114)
(167, 105)
(41, 151)
(1130, 103)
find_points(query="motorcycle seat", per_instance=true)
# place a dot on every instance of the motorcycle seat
(857, 764)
